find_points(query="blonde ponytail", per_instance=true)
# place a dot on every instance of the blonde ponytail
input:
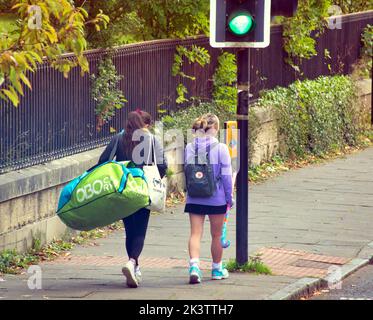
(206, 122)
(199, 124)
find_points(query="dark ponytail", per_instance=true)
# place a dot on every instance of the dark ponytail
(146, 117)
(134, 122)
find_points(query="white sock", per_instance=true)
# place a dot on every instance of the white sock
(194, 262)
(217, 266)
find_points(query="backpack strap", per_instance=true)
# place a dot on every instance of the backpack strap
(214, 145)
(218, 178)
(196, 155)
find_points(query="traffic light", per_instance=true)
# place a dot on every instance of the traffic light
(245, 23)
(240, 23)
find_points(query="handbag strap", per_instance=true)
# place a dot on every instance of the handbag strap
(115, 148)
(152, 150)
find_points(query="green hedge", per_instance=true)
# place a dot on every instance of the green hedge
(184, 118)
(316, 116)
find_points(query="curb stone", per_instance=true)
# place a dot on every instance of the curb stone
(367, 252)
(307, 286)
(302, 287)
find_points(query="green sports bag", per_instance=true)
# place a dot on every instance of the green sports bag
(102, 195)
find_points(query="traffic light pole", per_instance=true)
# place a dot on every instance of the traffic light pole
(242, 224)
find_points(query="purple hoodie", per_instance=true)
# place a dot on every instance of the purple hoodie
(222, 167)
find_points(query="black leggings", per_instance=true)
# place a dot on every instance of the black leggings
(136, 226)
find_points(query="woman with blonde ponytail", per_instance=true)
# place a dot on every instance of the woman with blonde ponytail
(215, 197)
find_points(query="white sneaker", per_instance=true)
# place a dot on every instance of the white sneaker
(129, 272)
(138, 274)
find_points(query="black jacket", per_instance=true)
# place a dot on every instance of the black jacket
(141, 157)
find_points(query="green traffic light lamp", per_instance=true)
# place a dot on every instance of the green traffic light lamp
(241, 23)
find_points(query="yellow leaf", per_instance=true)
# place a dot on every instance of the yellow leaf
(83, 63)
(84, 12)
(18, 5)
(11, 96)
(22, 61)
(31, 60)
(25, 80)
(72, 17)
(17, 84)
(51, 36)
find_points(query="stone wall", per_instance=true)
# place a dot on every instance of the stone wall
(29, 197)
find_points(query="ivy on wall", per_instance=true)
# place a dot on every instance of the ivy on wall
(105, 92)
(197, 55)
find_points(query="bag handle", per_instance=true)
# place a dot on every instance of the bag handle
(152, 150)
(115, 148)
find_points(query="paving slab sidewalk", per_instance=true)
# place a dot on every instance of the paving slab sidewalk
(304, 222)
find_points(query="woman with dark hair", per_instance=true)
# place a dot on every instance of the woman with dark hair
(146, 117)
(129, 147)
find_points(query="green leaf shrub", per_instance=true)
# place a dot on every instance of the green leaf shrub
(195, 54)
(367, 50)
(254, 265)
(316, 116)
(224, 79)
(104, 90)
(184, 118)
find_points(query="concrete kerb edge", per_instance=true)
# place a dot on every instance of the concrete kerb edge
(367, 252)
(305, 287)
(299, 288)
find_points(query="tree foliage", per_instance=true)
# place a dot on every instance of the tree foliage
(350, 6)
(301, 31)
(133, 21)
(46, 29)
(72, 25)
(173, 18)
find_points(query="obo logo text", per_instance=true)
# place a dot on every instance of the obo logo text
(92, 189)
